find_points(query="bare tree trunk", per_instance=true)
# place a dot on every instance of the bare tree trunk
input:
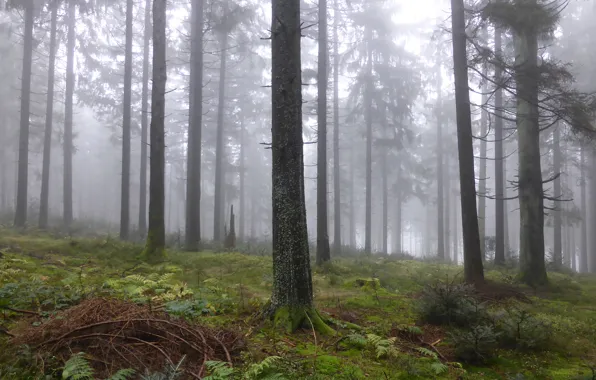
(368, 119)
(385, 211)
(455, 231)
(156, 236)
(398, 206)
(125, 189)
(557, 213)
(242, 212)
(23, 162)
(473, 270)
(144, 123)
(292, 298)
(219, 198)
(336, 162)
(440, 174)
(447, 211)
(482, 175)
(531, 202)
(352, 204)
(584, 267)
(499, 162)
(47, 142)
(193, 164)
(323, 254)
(68, 143)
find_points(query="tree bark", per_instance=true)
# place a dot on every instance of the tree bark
(440, 174)
(23, 164)
(323, 254)
(219, 196)
(368, 119)
(47, 141)
(353, 243)
(292, 297)
(68, 143)
(125, 184)
(499, 161)
(531, 201)
(584, 268)
(557, 213)
(156, 236)
(144, 123)
(336, 162)
(447, 208)
(195, 123)
(473, 270)
(592, 206)
(482, 175)
(241, 214)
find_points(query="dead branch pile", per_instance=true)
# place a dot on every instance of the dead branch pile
(118, 334)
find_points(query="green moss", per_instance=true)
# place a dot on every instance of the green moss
(292, 318)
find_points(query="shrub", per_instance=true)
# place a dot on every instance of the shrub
(476, 344)
(521, 330)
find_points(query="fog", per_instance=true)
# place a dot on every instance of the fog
(415, 172)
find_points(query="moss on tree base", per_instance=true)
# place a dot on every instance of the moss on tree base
(291, 318)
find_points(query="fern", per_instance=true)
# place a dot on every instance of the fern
(356, 340)
(257, 370)
(219, 370)
(426, 352)
(171, 372)
(77, 368)
(439, 368)
(123, 374)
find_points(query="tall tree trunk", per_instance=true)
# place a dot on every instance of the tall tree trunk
(584, 268)
(531, 201)
(482, 175)
(336, 162)
(353, 243)
(47, 141)
(385, 211)
(144, 123)
(368, 119)
(219, 197)
(499, 162)
(557, 213)
(125, 189)
(193, 168)
(23, 162)
(241, 214)
(473, 271)
(68, 143)
(447, 208)
(455, 231)
(592, 206)
(156, 235)
(398, 207)
(292, 297)
(440, 174)
(323, 254)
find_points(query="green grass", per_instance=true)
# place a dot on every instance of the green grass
(46, 274)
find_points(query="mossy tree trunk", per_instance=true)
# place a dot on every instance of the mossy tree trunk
(473, 269)
(292, 297)
(156, 236)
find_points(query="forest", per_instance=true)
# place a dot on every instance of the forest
(297, 189)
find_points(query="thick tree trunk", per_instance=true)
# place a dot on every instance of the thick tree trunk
(156, 235)
(47, 141)
(531, 201)
(219, 197)
(193, 168)
(125, 184)
(499, 162)
(68, 143)
(241, 215)
(292, 298)
(557, 213)
(144, 123)
(584, 268)
(473, 270)
(440, 174)
(368, 119)
(323, 254)
(336, 162)
(23, 163)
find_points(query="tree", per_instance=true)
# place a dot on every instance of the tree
(323, 254)
(68, 141)
(336, 162)
(144, 123)
(473, 270)
(193, 173)
(557, 244)
(482, 174)
(292, 297)
(584, 222)
(47, 143)
(23, 164)
(156, 236)
(125, 184)
(499, 161)
(440, 174)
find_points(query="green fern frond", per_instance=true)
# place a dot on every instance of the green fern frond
(439, 368)
(427, 352)
(258, 369)
(356, 340)
(373, 339)
(136, 278)
(123, 374)
(77, 368)
(219, 370)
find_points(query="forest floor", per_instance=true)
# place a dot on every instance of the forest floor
(59, 296)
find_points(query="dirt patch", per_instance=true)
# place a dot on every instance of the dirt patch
(344, 315)
(497, 292)
(431, 337)
(118, 334)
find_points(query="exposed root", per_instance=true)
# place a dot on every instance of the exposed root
(118, 334)
(291, 318)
